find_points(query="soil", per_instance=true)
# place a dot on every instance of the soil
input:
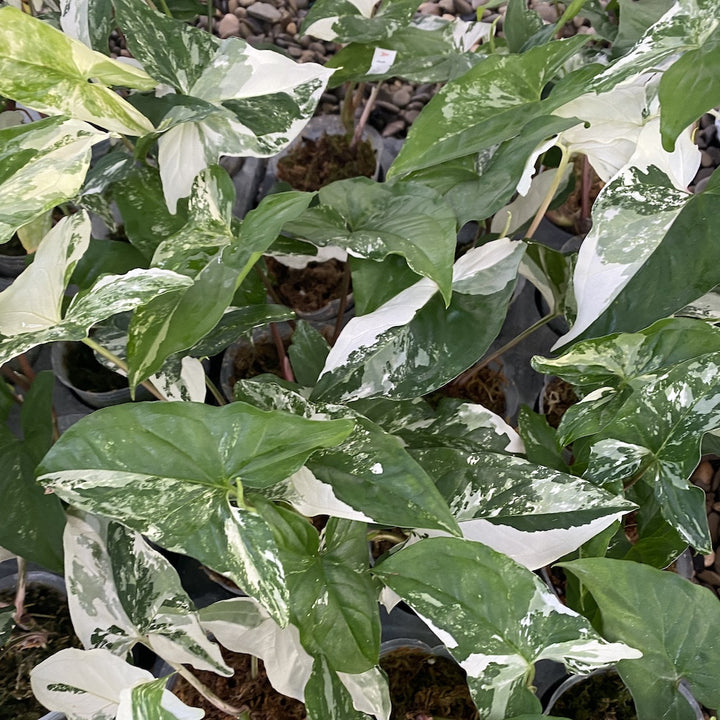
(424, 686)
(13, 247)
(86, 373)
(312, 164)
(558, 396)
(310, 288)
(254, 695)
(483, 385)
(257, 359)
(49, 630)
(599, 697)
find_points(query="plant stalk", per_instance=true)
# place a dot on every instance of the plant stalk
(344, 289)
(362, 122)
(282, 355)
(564, 160)
(20, 592)
(347, 112)
(210, 385)
(210, 15)
(206, 692)
(122, 365)
(254, 667)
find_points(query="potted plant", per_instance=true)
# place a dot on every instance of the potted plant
(281, 489)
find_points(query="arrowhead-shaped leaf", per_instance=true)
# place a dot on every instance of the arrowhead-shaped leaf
(43, 165)
(197, 458)
(67, 77)
(412, 344)
(121, 592)
(372, 220)
(455, 585)
(670, 620)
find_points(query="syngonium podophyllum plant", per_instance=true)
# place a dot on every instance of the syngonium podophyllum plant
(472, 506)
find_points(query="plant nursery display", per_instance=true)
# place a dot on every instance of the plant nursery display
(113, 178)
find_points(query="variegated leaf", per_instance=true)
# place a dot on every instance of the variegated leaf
(243, 626)
(531, 513)
(198, 459)
(44, 164)
(487, 105)
(357, 20)
(633, 217)
(181, 379)
(454, 585)
(430, 49)
(151, 701)
(412, 344)
(88, 22)
(121, 591)
(373, 220)
(333, 599)
(327, 697)
(84, 684)
(69, 78)
(33, 302)
(670, 620)
(368, 477)
(655, 439)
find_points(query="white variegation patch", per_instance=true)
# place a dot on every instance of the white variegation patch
(242, 625)
(84, 684)
(74, 20)
(184, 381)
(369, 692)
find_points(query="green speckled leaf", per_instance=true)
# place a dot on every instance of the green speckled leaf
(655, 439)
(487, 105)
(151, 701)
(531, 513)
(84, 684)
(121, 592)
(430, 49)
(669, 619)
(372, 220)
(412, 344)
(344, 21)
(198, 459)
(42, 164)
(56, 75)
(496, 618)
(326, 698)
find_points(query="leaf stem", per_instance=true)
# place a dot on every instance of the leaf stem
(344, 289)
(386, 535)
(282, 355)
(20, 592)
(254, 667)
(210, 15)
(564, 160)
(210, 385)
(206, 692)
(165, 8)
(122, 365)
(362, 122)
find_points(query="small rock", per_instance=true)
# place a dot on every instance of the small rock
(295, 51)
(701, 185)
(232, 6)
(713, 525)
(302, 4)
(705, 159)
(306, 56)
(265, 12)
(429, 8)
(709, 560)
(246, 3)
(706, 120)
(291, 29)
(410, 116)
(710, 577)
(715, 481)
(547, 12)
(463, 7)
(240, 12)
(401, 97)
(387, 106)
(305, 41)
(585, 30)
(125, 53)
(393, 127)
(317, 47)
(447, 6)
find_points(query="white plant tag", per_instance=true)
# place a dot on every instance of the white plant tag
(382, 61)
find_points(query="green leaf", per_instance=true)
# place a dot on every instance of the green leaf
(308, 352)
(372, 220)
(374, 283)
(326, 698)
(550, 272)
(89, 22)
(43, 164)
(412, 344)
(333, 599)
(520, 24)
(348, 21)
(429, 50)
(122, 592)
(197, 458)
(33, 522)
(635, 20)
(454, 585)
(694, 73)
(105, 257)
(56, 75)
(487, 105)
(540, 440)
(670, 620)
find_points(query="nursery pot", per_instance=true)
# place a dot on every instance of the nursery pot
(63, 356)
(600, 692)
(53, 584)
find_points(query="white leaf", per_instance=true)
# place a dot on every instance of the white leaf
(369, 692)
(84, 684)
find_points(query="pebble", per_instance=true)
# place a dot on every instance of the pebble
(702, 475)
(429, 8)
(402, 97)
(709, 560)
(393, 127)
(710, 577)
(463, 7)
(291, 28)
(446, 6)
(264, 11)
(713, 525)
